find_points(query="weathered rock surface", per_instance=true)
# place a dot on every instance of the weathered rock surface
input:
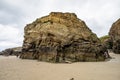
(106, 41)
(115, 36)
(11, 51)
(61, 37)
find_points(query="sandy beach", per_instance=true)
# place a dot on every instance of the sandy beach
(13, 68)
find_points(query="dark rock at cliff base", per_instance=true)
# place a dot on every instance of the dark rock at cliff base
(12, 51)
(61, 37)
(115, 36)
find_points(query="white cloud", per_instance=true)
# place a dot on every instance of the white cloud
(10, 36)
(99, 15)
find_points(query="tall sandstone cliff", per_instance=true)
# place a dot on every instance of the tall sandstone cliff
(115, 36)
(61, 37)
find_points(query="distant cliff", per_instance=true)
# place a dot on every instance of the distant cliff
(61, 37)
(106, 41)
(12, 51)
(115, 36)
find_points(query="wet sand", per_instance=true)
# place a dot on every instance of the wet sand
(12, 68)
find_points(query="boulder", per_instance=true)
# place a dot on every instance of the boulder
(114, 34)
(61, 37)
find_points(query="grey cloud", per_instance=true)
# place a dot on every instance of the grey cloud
(9, 14)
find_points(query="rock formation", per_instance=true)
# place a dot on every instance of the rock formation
(106, 41)
(12, 51)
(61, 37)
(115, 36)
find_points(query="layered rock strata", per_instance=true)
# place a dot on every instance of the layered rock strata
(115, 36)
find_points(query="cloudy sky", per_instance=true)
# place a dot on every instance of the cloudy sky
(15, 14)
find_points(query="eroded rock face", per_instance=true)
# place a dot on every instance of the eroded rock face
(106, 41)
(115, 36)
(61, 37)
